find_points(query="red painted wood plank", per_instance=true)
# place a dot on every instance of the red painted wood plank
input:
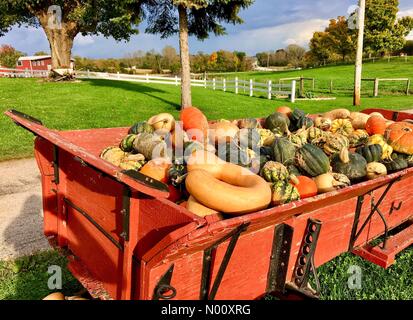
(83, 153)
(386, 257)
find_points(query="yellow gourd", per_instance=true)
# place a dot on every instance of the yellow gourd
(342, 126)
(387, 149)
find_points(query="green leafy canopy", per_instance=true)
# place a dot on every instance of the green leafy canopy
(118, 19)
(204, 16)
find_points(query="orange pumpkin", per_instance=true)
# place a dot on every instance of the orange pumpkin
(400, 137)
(306, 187)
(195, 123)
(157, 169)
(376, 125)
(285, 110)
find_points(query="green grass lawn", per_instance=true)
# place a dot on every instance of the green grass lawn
(102, 104)
(342, 76)
(26, 278)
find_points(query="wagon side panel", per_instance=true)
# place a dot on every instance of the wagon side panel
(245, 277)
(45, 158)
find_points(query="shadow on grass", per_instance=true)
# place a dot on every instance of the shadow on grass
(26, 278)
(134, 87)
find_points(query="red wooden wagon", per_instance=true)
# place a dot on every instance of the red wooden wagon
(127, 241)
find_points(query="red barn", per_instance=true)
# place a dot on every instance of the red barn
(37, 63)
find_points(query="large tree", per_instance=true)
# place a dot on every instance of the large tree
(342, 39)
(62, 20)
(9, 56)
(191, 17)
(320, 47)
(384, 33)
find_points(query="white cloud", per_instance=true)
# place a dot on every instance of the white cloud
(276, 37)
(83, 40)
(405, 13)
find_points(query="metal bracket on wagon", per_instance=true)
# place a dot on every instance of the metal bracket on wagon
(280, 255)
(25, 116)
(375, 207)
(207, 294)
(164, 290)
(305, 262)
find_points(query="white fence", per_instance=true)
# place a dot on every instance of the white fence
(17, 73)
(236, 85)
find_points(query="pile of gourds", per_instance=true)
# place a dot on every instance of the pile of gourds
(289, 155)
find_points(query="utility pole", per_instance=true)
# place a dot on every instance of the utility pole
(359, 57)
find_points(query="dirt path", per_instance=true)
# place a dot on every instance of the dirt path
(21, 219)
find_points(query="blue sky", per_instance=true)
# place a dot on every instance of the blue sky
(268, 25)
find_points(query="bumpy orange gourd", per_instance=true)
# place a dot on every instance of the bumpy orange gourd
(400, 137)
(376, 125)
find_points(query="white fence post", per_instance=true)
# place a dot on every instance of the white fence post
(269, 89)
(205, 82)
(224, 84)
(176, 80)
(293, 87)
(118, 75)
(88, 73)
(147, 78)
(251, 88)
(236, 85)
(214, 84)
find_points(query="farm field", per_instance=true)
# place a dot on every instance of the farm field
(102, 103)
(342, 76)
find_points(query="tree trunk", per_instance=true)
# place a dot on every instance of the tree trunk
(186, 98)
(61, 43)
(61, 49)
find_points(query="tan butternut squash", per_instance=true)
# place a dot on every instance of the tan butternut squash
(225, 187)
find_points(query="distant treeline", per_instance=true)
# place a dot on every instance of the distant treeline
(167, 61)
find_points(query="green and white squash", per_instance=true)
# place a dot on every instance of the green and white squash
(275, 171)
(334, 143)
(127, 143)
(141, 127)
(312, 160)
(284, 192)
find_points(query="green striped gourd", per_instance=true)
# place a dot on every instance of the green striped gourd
(314, 133)
(358, 138)
(127, 143)
(275, 171)
(284, 192)
(335, 143)
(141, 127)
(299, 138)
